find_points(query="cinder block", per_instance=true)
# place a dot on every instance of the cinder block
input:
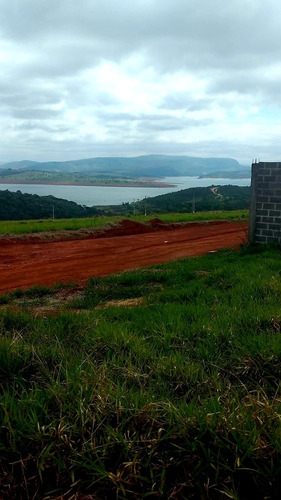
(267, 232)
(269, 192)
(273, 226)
(260, 239)
(274, 185)
(270, 178)
(262, 198)
(272, 239)
(264, 171)
(275, 199)
(261, 225)
(269, 206)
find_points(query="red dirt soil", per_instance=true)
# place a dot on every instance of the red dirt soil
(30, 261)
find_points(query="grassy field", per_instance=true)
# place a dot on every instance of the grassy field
(163, 383)
(36, 226)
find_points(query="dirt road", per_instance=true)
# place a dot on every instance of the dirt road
(27, 263)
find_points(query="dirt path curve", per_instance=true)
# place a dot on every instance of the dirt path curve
(25, 263)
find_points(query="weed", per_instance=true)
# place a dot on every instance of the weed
(177, 397)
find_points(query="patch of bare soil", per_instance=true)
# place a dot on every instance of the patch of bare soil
(122, 303)
(57, 302)
(47, 305)
(128, 245)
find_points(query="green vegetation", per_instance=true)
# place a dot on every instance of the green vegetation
(97, 222)
(176, 397)
(19, 206)
(38, 176)
(200, 199)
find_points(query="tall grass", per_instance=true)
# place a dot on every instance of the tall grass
(178, 397)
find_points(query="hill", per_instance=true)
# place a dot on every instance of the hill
(140, 166)
(200, 199)
(188, 200)
(18, 206)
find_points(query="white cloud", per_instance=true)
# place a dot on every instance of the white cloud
(149, 76)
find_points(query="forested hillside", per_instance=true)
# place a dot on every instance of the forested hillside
(200, 199)
(17, 206)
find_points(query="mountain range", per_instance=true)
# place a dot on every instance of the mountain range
(133, 167)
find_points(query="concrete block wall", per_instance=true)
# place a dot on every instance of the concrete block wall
(265, 209)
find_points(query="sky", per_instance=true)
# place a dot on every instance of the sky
(134, 77)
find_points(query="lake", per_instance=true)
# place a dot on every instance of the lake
(105, 195)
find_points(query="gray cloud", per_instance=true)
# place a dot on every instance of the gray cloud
(35, 114)
(173, 76)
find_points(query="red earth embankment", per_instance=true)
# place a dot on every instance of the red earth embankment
(28, 261)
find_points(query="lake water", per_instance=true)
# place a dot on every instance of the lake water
(104, 195)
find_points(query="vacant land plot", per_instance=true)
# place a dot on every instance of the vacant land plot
(127, 245)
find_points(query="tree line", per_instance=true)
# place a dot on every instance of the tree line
(23, 206)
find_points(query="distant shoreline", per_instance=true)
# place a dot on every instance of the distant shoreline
(151, 184)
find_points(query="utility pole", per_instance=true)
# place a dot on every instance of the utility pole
(145, 205)
(53, 212)
(193, 204)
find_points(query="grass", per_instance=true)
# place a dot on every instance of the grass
(178, 397)
(37, 226)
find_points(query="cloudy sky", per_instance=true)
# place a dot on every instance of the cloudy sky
(131, 77)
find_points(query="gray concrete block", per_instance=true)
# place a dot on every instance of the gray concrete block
(261, 225)
(262, 198)
(275, 199)
(270, 178)
(260, 239)
(263, 171)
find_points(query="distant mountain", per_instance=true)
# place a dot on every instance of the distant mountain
(20, 164)
(135, 167)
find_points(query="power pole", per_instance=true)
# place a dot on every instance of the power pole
(193, 204)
